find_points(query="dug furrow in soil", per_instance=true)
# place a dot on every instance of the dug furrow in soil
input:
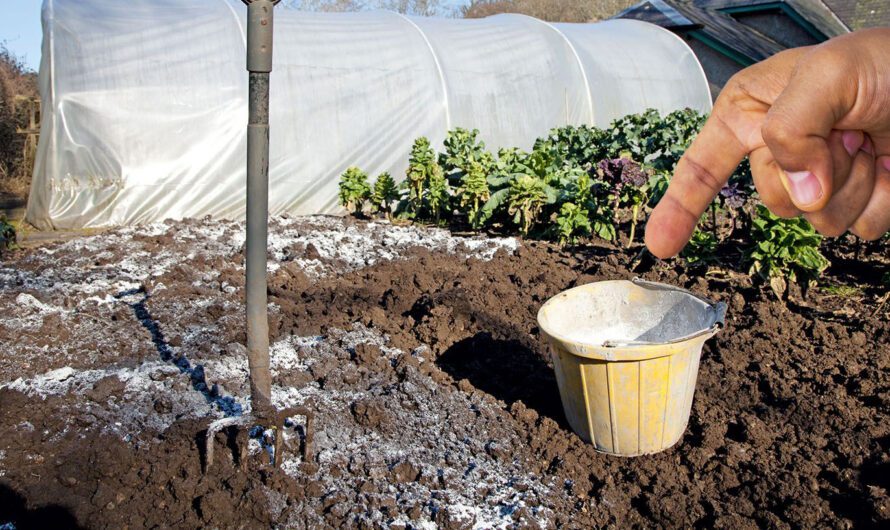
(434, 396)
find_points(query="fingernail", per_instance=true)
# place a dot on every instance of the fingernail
(804, 187)
(852, 141)
(886, 162)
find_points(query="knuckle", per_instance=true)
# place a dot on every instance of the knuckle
(777, 130)
(735, 88)
(679, 206)
(702, 175)
(826, 59)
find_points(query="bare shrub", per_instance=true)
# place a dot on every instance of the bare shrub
(17, 84)
(552, 10)
(409, 7)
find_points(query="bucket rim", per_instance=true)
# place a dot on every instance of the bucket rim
(632, 350)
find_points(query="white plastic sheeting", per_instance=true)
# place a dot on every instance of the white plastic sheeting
(145, 101)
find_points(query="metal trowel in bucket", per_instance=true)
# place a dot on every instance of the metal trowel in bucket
(264, 423)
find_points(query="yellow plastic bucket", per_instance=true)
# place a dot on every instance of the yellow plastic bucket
(626, 357)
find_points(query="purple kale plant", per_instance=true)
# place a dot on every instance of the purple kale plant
(629, 183)
(622, 172)
(733, 197)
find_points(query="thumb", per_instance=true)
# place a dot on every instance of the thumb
(821, 91)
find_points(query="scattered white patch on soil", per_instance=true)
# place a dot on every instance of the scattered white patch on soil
(29, 313)
(330, 246)
(411, 411)
(61, 301)
(137, 403)
(122, 401)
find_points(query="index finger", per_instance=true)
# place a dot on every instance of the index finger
(699, 176)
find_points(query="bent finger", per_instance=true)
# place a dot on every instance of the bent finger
(874, 221)
(766, 175)
(854, 182)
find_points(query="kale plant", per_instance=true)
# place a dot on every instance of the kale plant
(658, 185)
(732, 198)
(521, 185)
(507, 167)
(510, 161)
(581, 145)
(462, 148)
(658, 142)
(354, 190)
(629, 184)
(785, 249)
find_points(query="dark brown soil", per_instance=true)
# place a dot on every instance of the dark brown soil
(435, 400)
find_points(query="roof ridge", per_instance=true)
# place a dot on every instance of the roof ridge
(834, 15)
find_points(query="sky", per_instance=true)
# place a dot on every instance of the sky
(20, 28)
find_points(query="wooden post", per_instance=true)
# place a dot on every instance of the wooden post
(32, 133)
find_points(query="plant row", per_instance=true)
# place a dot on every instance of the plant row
(581, 182)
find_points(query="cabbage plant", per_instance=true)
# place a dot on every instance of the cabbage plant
(463, 148)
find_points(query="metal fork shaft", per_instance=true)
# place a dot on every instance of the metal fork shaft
(259, 64)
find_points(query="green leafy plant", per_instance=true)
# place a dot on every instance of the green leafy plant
(422, 167)
(8, 237)
(658, 185)
(658, 142)
(384, 194)
(474, 193)
(535, 169)
(526, 198)
(510, 161)
(438, 197)
(602, 175)
(571, 222)
(354, 190)
(785, 249)
(581, 146)
(462, 148)
(701, 249)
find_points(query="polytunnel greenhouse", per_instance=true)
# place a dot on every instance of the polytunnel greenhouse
(145, 101)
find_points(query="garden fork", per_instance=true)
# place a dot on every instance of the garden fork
(264, 421)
